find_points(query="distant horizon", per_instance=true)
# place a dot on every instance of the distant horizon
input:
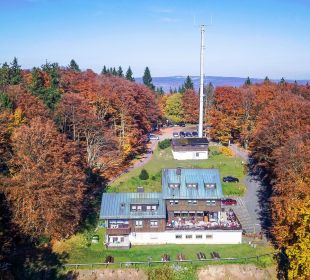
(256, 38)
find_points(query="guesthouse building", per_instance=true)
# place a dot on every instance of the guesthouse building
(187, 211)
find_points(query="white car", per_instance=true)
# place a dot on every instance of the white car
(153, 137)
(175, 135)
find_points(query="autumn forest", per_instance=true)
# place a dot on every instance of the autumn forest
(65, 132)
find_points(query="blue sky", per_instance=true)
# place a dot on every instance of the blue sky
(246, 38)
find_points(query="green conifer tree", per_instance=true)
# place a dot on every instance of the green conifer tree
(4, 75)
(248, 81)
(104, 70)
(74, 66)
(188, 84)
(147, 79)
(282, 81)
(15, 72)
(120, 72)
(129, 74)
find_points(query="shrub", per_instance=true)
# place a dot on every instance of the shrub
(164, 144)
(144, 175)
(226, 151)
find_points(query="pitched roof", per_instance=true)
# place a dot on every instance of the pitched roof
(117, 205)
(187, 176)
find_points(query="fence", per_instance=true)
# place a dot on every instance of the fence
(149, 263)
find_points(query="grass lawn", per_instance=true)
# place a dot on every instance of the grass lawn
(79, 252)
(232, 166)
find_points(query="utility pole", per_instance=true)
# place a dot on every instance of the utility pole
(202, 48)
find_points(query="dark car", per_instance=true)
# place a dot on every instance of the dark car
(229, 201)
(188, 134)
(182, 124)
(182, 134)
(195, 134)
(230, 179)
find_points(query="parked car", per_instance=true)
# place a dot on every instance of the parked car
(188, 134)
(195, 134)
(175, 135)
(153, 137)
(230, 179)
(182, 124)
(182, 134)
(229, 201)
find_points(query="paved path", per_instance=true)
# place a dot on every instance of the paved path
(165, 133)
(248, 209)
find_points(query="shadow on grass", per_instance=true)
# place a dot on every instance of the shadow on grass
(22, 257)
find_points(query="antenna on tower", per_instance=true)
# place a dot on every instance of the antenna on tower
(202, 48)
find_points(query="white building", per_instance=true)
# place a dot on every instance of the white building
(190, 148)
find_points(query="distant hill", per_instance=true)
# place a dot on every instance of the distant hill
(176, 81)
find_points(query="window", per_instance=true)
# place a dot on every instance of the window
(174, 185)
(209, 236)
(199, 214)
(154, 207)
(188, 236)
(192, 201)
(213, 202)
(154, 223)
(139, 223)
(192, 185)
(115, 239)
(178, 236)
(197, 154)
(139, 208)
(210, 185)
(122, 239)
(148, 207)
(199, 236)
(133, 208)
(173, 202)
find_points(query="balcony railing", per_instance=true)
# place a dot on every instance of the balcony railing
(118, 231)
(211, 227)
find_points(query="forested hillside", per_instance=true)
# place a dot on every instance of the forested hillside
(273, 121)
(62, 133)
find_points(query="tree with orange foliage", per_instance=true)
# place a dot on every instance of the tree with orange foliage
(291, 204)
(190, 101)
(285, 116)
(47, 184)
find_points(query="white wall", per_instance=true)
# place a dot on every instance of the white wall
(169, 237)
(190, 155)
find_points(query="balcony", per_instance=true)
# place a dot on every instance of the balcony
(228, 221)
(118, 231)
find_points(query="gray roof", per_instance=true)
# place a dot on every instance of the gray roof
(190, 144)
(189, 175)
(117, 205)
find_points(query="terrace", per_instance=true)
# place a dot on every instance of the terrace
(228, 221)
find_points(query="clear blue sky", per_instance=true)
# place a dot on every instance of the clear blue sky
(247, 38)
